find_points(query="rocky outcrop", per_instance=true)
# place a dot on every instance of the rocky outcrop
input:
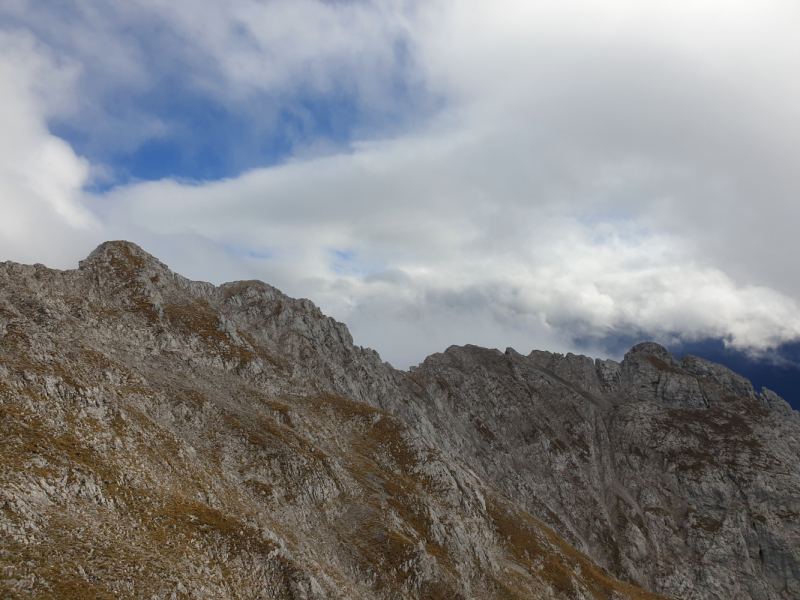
(168, 438)
(670, 474)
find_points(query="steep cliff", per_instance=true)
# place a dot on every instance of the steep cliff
(164, 438)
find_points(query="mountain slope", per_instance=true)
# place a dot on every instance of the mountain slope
(168, 438)
(679, 480)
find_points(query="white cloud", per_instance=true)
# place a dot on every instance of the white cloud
(428, 256)
(285, 44)
(700, 94)
(41, 178)
(252, 58)
(596, 170)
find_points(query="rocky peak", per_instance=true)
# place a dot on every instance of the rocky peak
(734, 382)
(652, 349)
(120, 251)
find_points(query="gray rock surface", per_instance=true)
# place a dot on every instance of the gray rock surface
(684, 484)
(165, 438)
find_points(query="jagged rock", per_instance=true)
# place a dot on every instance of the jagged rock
(168, 438)
(719, 373)
(775, 403)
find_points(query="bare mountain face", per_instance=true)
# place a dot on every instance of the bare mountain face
(164, 438)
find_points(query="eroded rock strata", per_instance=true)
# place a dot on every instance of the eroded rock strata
(164, 438)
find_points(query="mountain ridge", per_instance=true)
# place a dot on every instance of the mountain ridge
(475, 473)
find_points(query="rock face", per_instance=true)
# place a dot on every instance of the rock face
(164, 438)
(673, 475)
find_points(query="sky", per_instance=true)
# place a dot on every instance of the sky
(562, 175)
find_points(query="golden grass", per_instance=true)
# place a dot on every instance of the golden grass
(552, 560)
(201, 319)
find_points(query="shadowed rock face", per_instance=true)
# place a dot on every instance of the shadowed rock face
(164, 438)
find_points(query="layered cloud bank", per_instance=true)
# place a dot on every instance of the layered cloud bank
(554, 175)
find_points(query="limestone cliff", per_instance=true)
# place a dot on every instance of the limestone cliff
(164, 438)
